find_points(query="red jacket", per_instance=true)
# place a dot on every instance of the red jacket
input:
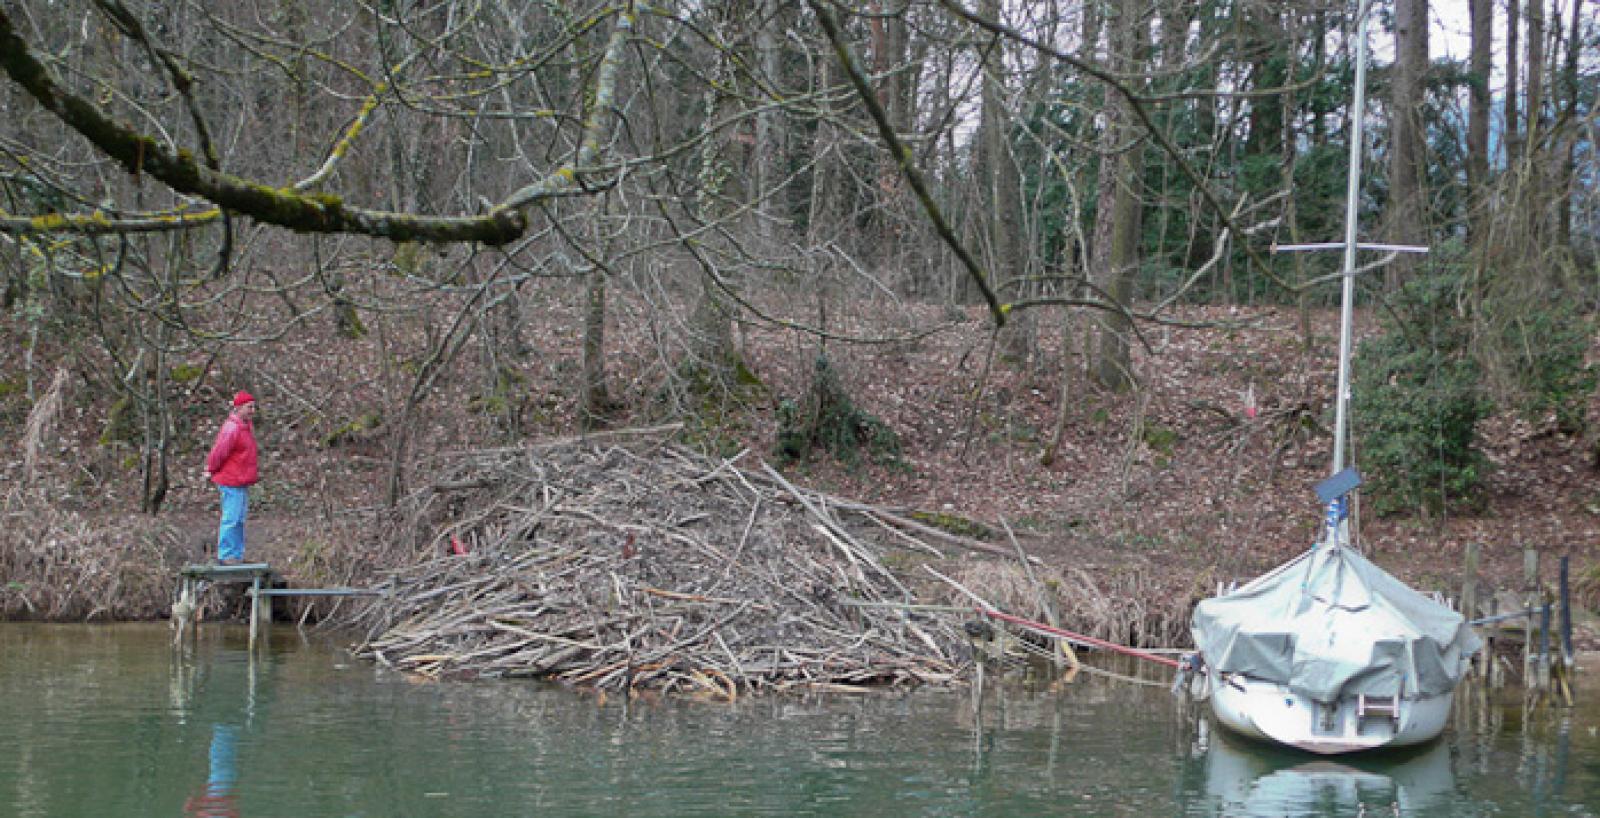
(232, 461)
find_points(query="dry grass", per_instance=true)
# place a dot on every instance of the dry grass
(41, 419)
(56, 563)
(59, 566)
(1131, 606)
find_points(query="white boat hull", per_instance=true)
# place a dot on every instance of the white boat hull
(1271, 712)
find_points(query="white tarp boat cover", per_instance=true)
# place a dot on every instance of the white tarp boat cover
(1331, 624)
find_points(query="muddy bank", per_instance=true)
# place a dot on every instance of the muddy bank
(628, 561)
(621, 562)
(58, 564)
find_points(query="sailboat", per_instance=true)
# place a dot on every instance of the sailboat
(1328, 653)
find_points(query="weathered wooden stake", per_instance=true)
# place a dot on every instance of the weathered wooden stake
(1530, 584)
(1497, 677)
(183, 610)
(1544, 644)
(1469, 598)
(1566, 614)
(255, 610)
(1469, 582)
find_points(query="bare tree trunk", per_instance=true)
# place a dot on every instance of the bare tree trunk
(1206, 116)
(1092, 25)
(1567, 180)
(824, 210)
(1510, 118)
(711, 349)
(890, 45)
(596, 398)
(1072, 333)
(392, 54)
(887, 28)
(1478, 114)
(1532, 195)
(1118, 220)
(1407, 196)
(1000, 207)
(1290, 151)
(1264, 26)
(1534, 77)
(151, 396)
(770, 148)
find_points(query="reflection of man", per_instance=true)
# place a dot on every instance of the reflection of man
(218, 799)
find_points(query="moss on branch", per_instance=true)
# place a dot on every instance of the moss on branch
(141, 154)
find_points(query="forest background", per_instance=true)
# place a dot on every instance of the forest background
(1004, 264)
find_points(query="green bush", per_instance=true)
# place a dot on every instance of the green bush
(1417, 401)
(1547, 346)
(830, 421)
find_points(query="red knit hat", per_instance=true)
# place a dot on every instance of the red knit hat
(243, 398)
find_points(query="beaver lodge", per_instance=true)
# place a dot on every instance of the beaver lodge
(641, 565)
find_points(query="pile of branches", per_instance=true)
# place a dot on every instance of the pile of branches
(643, 566)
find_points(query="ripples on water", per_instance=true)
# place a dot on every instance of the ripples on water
(109, 720)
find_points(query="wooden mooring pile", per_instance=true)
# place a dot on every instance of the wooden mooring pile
(1538, 626)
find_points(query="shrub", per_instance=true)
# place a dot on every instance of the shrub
(1417, 401)
(1545, 350)
(828, 420)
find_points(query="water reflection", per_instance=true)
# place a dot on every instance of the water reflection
(220, 689)
(1502, 750)
(1245, 778)
(106, 721)
(217, 799)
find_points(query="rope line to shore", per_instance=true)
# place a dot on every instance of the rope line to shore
(1049, 630)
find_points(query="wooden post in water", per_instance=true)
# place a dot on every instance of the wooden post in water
(182, 616)
(1469, 582)
(1497, 677)
(261, 606)
(1469, 590)
(255, 611)
(1564, 674)
(268, 603)
(1544, 643)
(1530, 585)
(1565, 591)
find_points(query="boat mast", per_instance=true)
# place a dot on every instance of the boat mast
(1333, 491)
(1352, 199)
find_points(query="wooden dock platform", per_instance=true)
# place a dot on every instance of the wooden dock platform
(193, 578)
(213, 572)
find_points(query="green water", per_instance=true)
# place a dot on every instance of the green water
(110, 721)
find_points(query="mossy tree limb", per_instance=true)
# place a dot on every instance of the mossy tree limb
(141, 154)
(98, 223)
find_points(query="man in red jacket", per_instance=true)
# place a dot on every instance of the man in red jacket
(232, 466)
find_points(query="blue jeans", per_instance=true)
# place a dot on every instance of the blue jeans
(230, 535)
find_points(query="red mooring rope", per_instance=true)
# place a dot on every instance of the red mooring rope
(1078, 637)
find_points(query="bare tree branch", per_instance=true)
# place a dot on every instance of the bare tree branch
(180, 171)
(903, 157)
